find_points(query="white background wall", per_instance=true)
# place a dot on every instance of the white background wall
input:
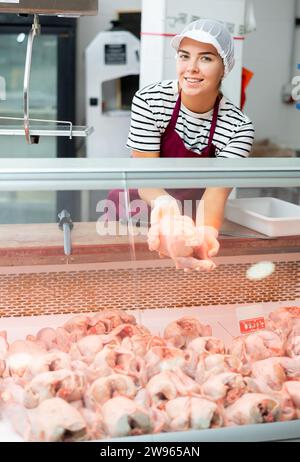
(268, 53)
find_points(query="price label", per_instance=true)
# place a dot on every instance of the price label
(250, 318)
(252, 325)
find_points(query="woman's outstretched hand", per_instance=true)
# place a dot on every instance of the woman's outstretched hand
(176, 236)
(210, 245)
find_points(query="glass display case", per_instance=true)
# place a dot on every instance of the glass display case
(210, 355)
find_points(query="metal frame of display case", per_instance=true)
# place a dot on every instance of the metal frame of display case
(95, 174)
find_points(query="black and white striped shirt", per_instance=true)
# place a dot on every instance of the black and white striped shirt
(152, 108)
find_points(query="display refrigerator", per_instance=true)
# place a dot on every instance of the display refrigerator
(101, 329)
(52, 96)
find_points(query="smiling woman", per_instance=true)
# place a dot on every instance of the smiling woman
(189, 117)
(200, 71)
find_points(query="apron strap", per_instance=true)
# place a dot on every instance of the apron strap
(175, 114)
(214, 121)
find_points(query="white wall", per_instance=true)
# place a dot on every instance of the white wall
(88, 28)
(268, 53)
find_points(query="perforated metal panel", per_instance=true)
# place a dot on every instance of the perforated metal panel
(145, 286)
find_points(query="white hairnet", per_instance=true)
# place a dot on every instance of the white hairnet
(213, 32)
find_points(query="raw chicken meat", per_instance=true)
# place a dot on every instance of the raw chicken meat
(164, 358)
(161, 388)
(56, 420)
(105, 376)
(86, 348)
(167, 385)
(210, 345)
(270, 371)
(224, 388)
(106, 321)
(3, 344)
(179, 333)
(196, 413)
(62, 383)
(253, 408)
(293, 390)
(77, 326)
(176, 236)
(105, 388)
(122, 416)
(259, 345)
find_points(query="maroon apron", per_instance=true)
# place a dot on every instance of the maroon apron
(171, 146)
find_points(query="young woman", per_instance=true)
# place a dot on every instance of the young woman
(189, 117)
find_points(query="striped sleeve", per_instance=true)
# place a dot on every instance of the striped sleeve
(144, 134)
(240, 144)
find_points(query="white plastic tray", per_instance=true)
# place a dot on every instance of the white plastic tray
(267, 215)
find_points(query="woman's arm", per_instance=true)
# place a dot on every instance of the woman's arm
(214, 200)
(149, 195)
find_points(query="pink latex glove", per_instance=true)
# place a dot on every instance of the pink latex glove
(176, 236)
(210, 245)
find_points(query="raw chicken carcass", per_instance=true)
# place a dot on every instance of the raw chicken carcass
(291, 367)
(257, 346)
(287, 312)
(106, 321)
(161, 388)
(47, 337)
(122, 331)
(212, 365)
(181, 332)
(77, 326)
(185, 385)
(293, 389)
(130, 364)
(193, 412)
(105, 388)
(283, 320)
(191, 359)
(104, 362)
(168, 385)
(224, 388)
(25, 359)
(163, 358)
(10, 392)
(86, 348)
(176, 236)
(3, 344)
(253, 408)
(209, 345)
(94, 424)
(293, 344)
(56, 420)
(270, 371)
(139, 344)
(62, 383)
(56, 360)
(122, 417)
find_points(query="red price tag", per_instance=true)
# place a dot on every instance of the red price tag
(252, 325)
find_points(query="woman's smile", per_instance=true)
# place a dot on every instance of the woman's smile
(193, 82)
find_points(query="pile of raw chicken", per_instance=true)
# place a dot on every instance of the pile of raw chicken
(105, 376)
